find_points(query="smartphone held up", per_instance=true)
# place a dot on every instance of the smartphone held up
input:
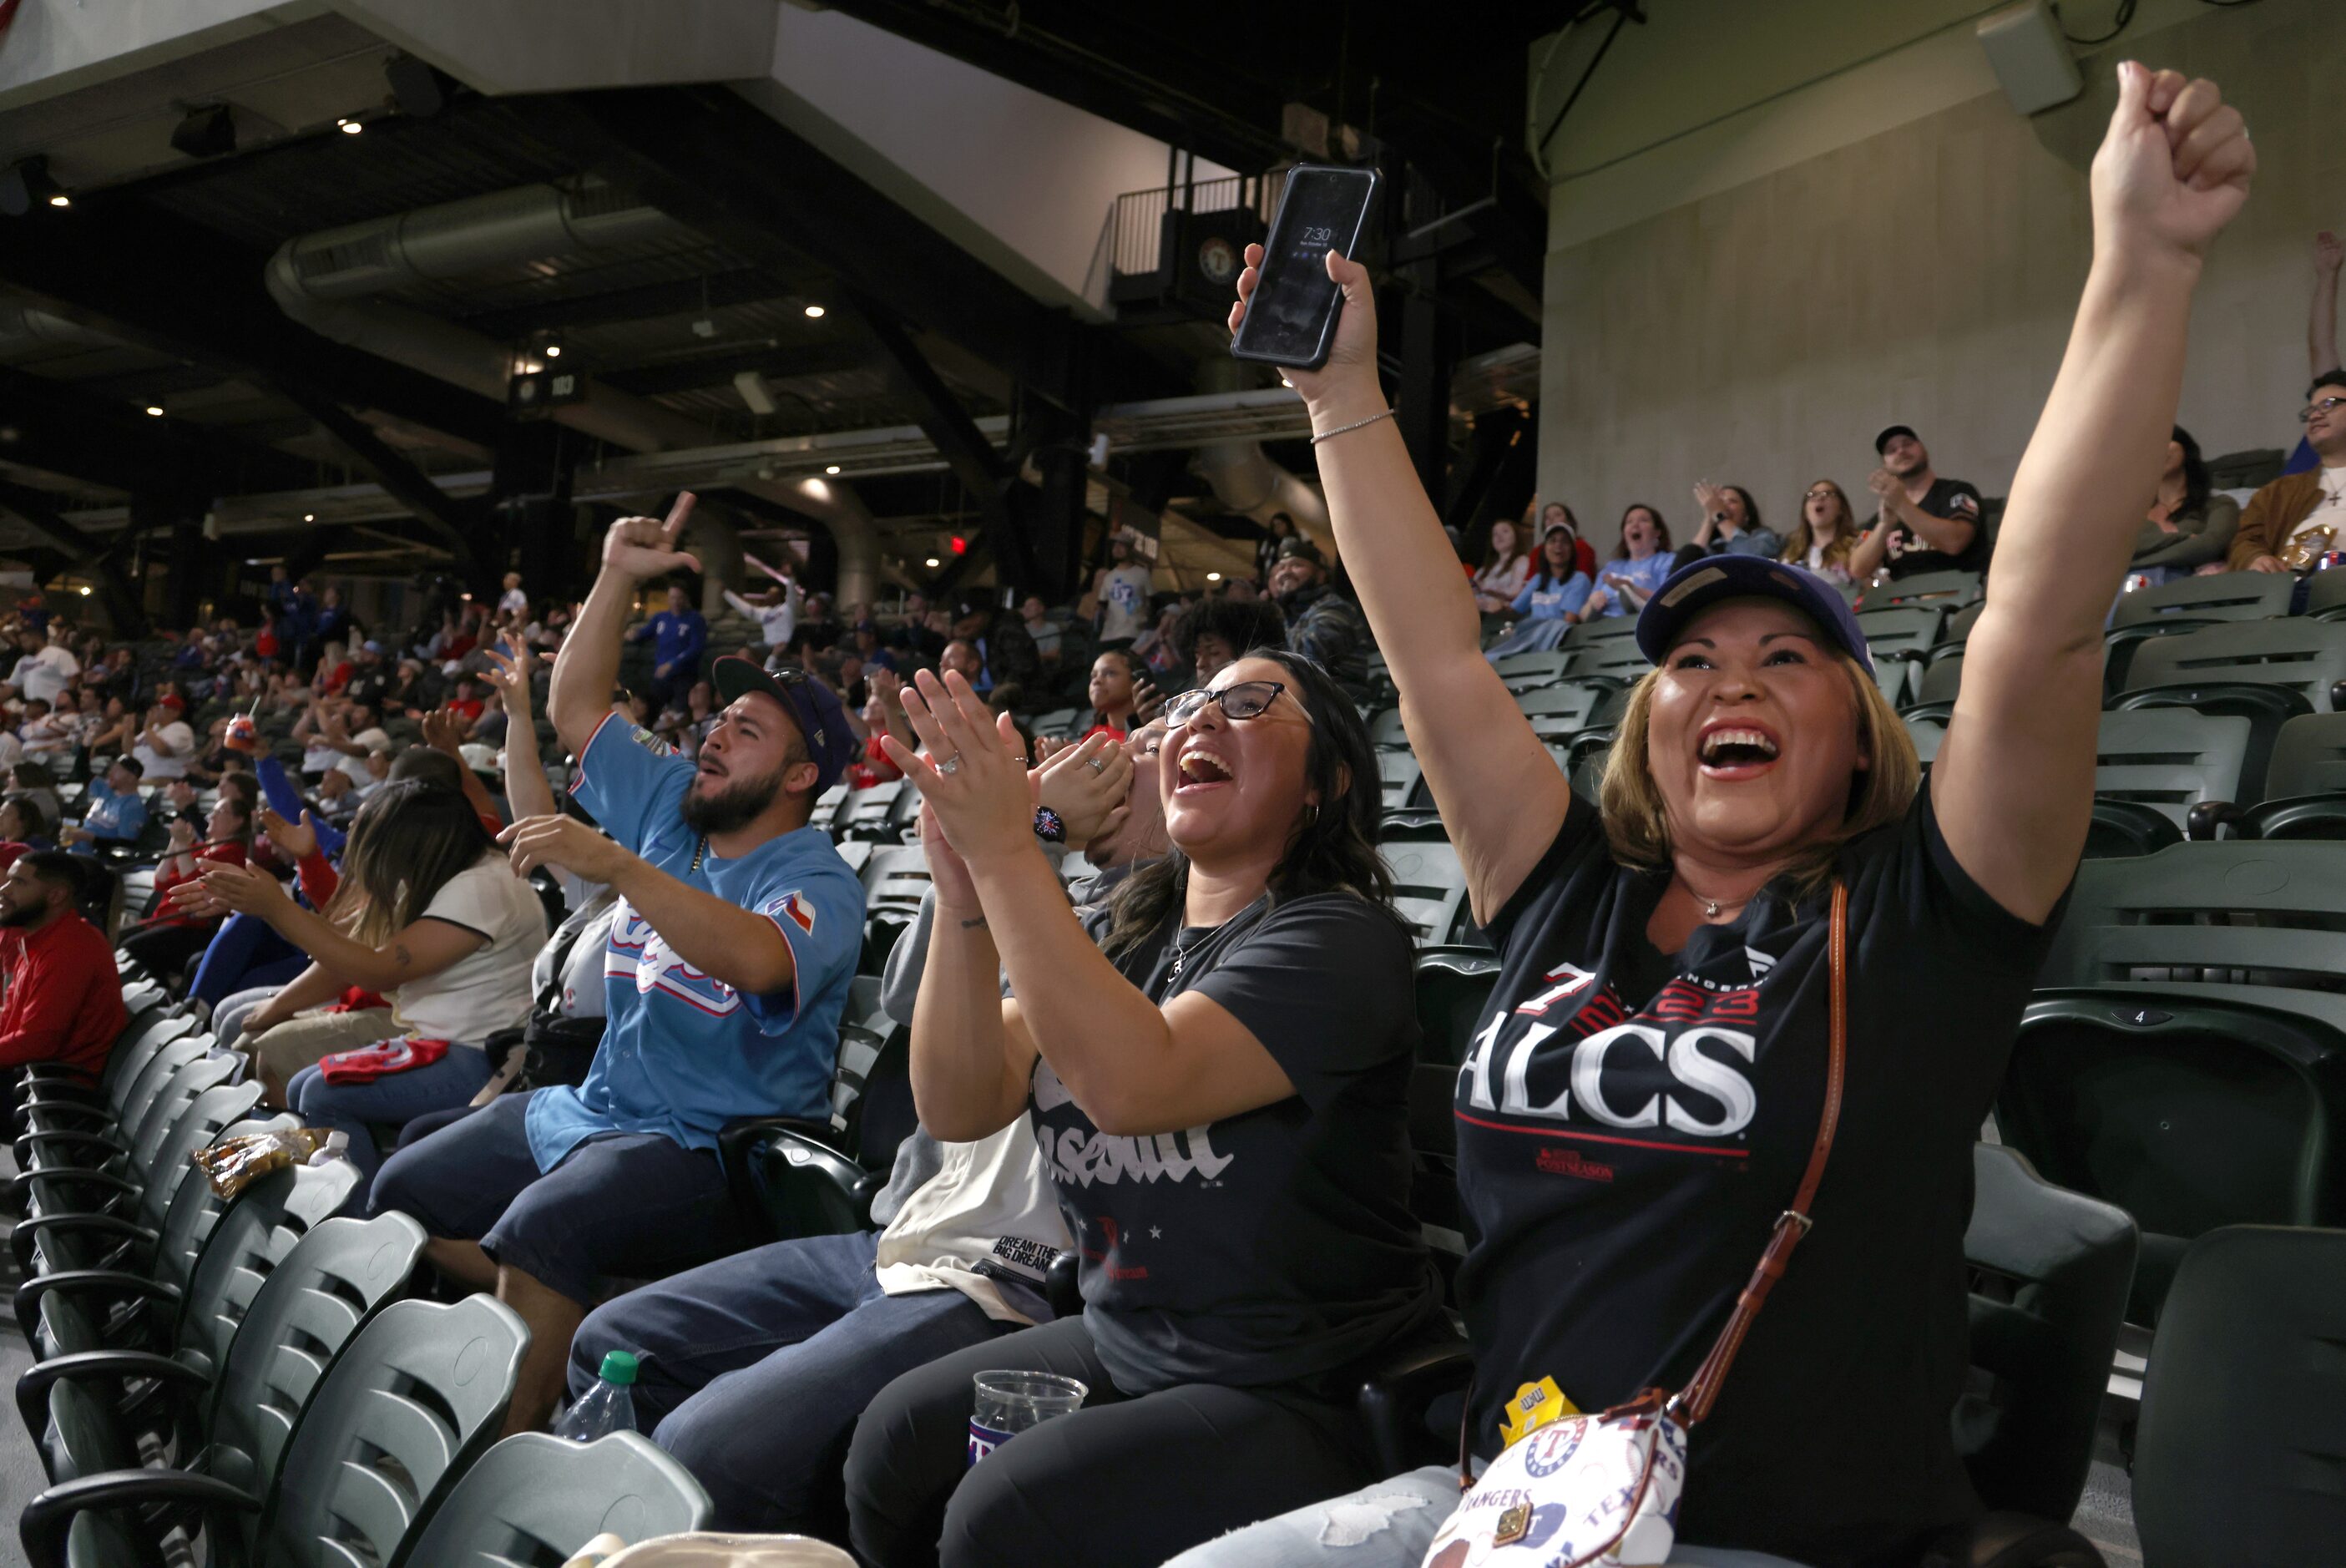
(1291, 320)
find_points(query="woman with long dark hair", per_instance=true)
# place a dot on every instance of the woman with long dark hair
(2189, 526)
(1217, 1066)
(427, 914)
(1640, 562)
(1505, 567)
(1825, 535)
(1766, 941)
(1551, 603)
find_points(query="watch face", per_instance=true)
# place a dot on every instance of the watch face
(1217, 260)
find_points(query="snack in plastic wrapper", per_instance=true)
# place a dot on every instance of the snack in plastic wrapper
(232, 1164)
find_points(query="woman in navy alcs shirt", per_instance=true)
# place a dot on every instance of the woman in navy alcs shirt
(1641, 1101)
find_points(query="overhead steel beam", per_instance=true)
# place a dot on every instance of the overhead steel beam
(715, 290)
(55, 426)
(132, 271)
(778, 362)
(449, 522)
(708, 156)
(37, 512)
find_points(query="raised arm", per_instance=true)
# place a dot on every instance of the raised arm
(527, 791)
(2321, 328)
(1501, 794)
(2014, 782)
(634, 548)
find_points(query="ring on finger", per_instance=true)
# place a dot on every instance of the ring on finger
(950, 765)
(1098, 764)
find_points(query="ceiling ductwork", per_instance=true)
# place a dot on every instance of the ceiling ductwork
(327, 282)
(25, 328)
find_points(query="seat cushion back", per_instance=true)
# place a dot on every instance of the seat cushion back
(406, 1409)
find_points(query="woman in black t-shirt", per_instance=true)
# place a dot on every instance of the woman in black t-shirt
(1216, 1063)
(1640, 1101)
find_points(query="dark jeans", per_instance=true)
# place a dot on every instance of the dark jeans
(244, 953)
(1123, 1481)
(163, 951)
(632, 1205)
(754, 1367)
(393, 1100)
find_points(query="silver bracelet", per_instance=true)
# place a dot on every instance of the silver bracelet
(1356, 424)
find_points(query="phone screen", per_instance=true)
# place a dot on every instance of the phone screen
(1294, 305)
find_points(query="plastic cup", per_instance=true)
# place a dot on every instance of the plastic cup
(1010, 1402)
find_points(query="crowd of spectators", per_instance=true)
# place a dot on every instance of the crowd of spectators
(362, 870)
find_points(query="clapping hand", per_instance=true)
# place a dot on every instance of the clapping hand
(1086, 786)
(243, 890)
(443, 730)
(295, 840)
(977, 784)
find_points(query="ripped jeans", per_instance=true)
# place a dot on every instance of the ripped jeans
(1388, 1525)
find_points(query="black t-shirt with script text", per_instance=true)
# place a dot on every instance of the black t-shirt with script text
(1277, 1245)
(1910, 554)
(1629, 1126)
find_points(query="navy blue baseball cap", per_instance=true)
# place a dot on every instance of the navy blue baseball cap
(1691, 589)
(821, 718)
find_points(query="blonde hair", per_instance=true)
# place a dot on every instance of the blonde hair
(1636, 819)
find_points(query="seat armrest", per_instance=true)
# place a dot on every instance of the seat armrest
(118, 1282)
(48, 1519)
(115, 1366)
(2202, 824)
(1396, 1388)
(31, 1231)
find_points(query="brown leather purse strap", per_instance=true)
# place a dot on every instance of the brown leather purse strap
(1694, 1401)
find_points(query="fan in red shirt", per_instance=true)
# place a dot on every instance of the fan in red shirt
(63, 997)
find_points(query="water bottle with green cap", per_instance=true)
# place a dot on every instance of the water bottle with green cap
(609, 1406)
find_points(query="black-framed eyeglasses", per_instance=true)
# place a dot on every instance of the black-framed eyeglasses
(2305, 415)
(1239, 699)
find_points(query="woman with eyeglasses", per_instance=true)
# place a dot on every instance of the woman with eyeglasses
(1216, 1062)
(1769, 937)
(1825, 535)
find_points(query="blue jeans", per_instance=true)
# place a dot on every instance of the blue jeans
(393, 1101)
(245, 953)
(754, 1367)
(1388, 1525)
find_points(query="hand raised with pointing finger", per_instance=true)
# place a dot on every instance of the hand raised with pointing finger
(643, 547)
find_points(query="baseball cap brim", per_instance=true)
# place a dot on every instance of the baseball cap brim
(1692, 589)
(1888, 431)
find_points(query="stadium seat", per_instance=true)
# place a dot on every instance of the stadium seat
(71, 1310)
(295, 1325)
(535, 1498)
(1940, 678)
(825, 814)
(403, 1411)
(1926, 731)
(880, 811)
(124, 1202)
(1523, 671)
(894, 878)
(2187, 604)
(1559, 712)
(2185, 1055)
(179, 1072)
(2236, 1456)
(1060, 721)
(1385, 729)
(1607, 632)
(1940, 590)
(55, 1098)
(1430, 885)
(2304, 790)
(1611, 658)
(2050, 1272)
(2325, 595)
(1399, 772)
(2267, 672)
(2152, 767)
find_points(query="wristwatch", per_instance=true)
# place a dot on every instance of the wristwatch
(1048, 827)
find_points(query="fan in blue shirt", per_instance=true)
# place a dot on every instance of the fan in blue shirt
(679, 636)
(116, 813)
(728, 966)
